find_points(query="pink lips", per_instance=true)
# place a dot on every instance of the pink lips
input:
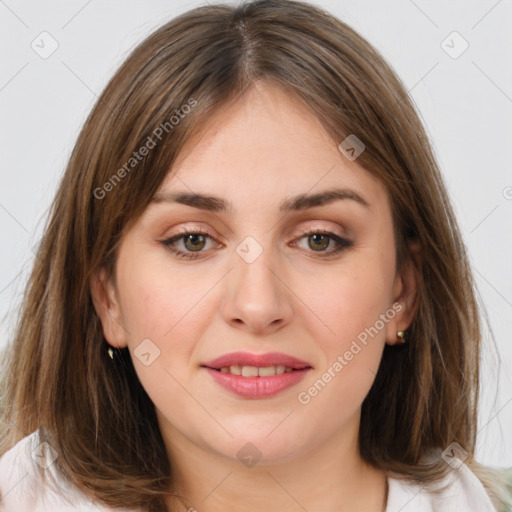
(248, 359)
(256, 387)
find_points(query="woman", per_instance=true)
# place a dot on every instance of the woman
(252, 290)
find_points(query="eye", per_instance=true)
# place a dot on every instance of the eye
(319, 240)
(193, 242)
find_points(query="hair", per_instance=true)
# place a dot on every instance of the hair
(58, 377)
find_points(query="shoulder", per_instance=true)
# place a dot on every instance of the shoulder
(459, 490)
(21, 487)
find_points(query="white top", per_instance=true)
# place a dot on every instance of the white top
(20, 491)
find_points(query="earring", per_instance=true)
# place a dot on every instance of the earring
(111, 353)
(401, 335)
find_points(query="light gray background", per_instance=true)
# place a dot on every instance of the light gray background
(465, 102)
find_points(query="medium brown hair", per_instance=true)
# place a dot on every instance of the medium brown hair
(59, 378)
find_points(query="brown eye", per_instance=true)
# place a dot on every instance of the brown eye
(318, 241)
(194, 242)
(188, 244)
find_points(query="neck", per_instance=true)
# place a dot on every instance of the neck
(330, 476)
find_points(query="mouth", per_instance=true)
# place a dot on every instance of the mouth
(257, 371)
(256, 376)
(254, 365)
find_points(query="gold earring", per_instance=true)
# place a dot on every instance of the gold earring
(111, 353)
(401, 337)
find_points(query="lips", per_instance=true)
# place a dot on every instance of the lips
(256, 376)
(256, 360)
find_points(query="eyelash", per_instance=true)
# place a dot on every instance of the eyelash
(342, 243)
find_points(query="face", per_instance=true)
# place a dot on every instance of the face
(315, 280)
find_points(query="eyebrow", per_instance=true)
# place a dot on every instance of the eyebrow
(298, 203)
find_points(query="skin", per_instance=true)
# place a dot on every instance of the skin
(256, 152)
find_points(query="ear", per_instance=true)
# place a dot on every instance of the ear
(106, 303)
(405, 294)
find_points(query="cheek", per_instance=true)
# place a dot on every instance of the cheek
(160, 301)
(165, 308)
(351, 299)
(351, 356)
(151, 306)
(355, 304)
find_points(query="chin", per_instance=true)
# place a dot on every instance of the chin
(263, 445)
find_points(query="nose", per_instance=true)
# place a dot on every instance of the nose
(256, 297)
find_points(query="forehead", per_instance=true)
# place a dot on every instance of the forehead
(270, 145)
